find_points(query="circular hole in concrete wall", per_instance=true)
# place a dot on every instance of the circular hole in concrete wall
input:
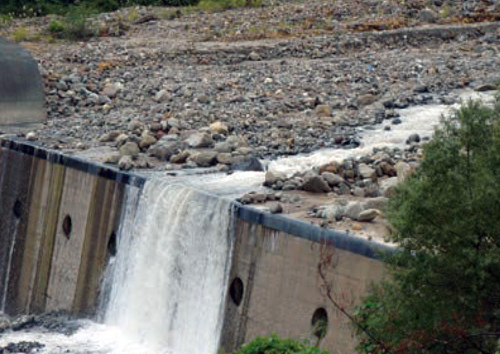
(319, 323)
(17, 209)
(112, 244)
(67, 225)
(236, 291)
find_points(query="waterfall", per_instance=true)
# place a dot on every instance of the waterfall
(169, 277)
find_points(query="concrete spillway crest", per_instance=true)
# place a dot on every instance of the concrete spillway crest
(21, 91)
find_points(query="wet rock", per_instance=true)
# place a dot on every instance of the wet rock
(249, 164)
(125, 163)
(31, 136)
(205, 158)
(368, 215)
(200, 140)
(413, 138)
(129, 149)
(315, 184)
(275, 208)
(273, 177)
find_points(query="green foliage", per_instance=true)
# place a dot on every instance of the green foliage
(275, 345)
(29, 8)
(75, 25)
(221, 5)
(444, 292)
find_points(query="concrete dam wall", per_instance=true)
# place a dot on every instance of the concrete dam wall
(60, 217)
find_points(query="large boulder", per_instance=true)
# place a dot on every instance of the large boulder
(315, 183)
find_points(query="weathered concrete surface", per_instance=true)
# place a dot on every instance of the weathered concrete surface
(44, 267)
(283, 287)
(21, 91)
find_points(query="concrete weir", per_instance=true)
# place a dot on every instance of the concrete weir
(59, 217)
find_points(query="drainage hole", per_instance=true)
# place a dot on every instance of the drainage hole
(17, 209)
(319, 323)
(67, 226)
(236, 291)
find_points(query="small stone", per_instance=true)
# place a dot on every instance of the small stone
(323, 110)
(365, 100)
(219, 128)
(248, 164)
(332, 179)
(368, 215)
(111, 90)
(129, 149)
(125, 163)
(354, 209)
(109, 137)
(275, 208)
(254, 56)
(31, 136)
(428, 15)
(200, 140)
(147, 141)
(112, 158)
(485, 87)
(162, 96)
(180, 157)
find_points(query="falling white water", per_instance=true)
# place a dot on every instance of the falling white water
(166, 286)
(171, 270)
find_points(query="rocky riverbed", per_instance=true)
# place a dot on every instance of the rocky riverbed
(174, 89)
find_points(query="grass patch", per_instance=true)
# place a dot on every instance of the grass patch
(221, 5)
(20, 34)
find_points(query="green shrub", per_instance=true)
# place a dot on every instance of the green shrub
(221, 5)
(275, 345)
(20, 34)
